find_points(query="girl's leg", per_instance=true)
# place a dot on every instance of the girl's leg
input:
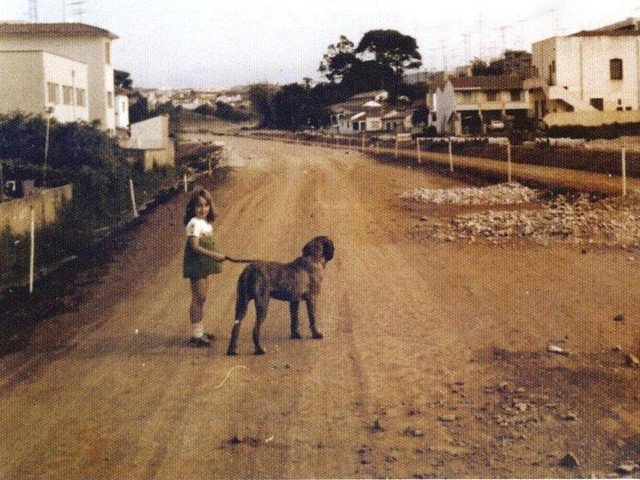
(198, 297)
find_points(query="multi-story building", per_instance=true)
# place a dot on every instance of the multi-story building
(79, 42)
(589, 71)
(42, 83)
(469, 105)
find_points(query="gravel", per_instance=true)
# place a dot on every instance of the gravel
(613, 221)
(502, 194)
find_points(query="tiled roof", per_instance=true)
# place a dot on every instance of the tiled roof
(61, 29)
(487, 82)
(606, 33)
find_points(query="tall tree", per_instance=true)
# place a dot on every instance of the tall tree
(122, 79)
(391, 48)
(338, 60)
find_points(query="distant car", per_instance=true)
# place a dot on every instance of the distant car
(496, 125)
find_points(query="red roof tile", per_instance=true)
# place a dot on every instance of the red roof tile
(61, 29)
(487, 82)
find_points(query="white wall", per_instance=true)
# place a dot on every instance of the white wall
(582, 67)
(86, 49)
(122, 111)
(24, 76)
(446, 105)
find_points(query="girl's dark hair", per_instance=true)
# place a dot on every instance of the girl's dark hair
(193, 201)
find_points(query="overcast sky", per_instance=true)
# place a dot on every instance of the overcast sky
(212, 43)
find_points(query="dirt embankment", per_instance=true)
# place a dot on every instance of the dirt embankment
(434, 361)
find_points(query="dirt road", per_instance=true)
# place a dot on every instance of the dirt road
(434, 359)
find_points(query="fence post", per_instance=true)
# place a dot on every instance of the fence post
(133, 199)
(186, 183)
(509, 162)
(1, 183)
(418, 147)
(450, 156)
(624, 172)
(32, 250)
(209, 161)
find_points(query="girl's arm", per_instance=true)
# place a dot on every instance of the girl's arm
(194, 244)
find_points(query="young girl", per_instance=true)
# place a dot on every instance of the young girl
(200, 259)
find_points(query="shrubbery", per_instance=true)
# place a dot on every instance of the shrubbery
(88, 158)
(609, 131)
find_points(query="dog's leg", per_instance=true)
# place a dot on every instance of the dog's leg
(242, 303)
(311, 311)
(262, 306)
(293, 309)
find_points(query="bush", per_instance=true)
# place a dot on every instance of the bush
(609, 131)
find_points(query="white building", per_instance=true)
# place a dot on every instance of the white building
(80, 42)
(37, 82)
(467, 105)
(150, 144)
(122, 108)
(588, 72)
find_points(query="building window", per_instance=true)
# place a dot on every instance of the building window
(81, 97)
(52, 93)
(515, 95)
(615, 68)
(107, 53)
(110, 99)
(67, 95)
(597, 103)
(492, 96)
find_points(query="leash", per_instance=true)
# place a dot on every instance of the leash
(241, 260)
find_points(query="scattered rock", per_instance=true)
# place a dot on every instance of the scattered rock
(521, 407)
(570, 416)
(412, 432)
(503, 194)
(377, 426)
(447, 417)
(558, 350)
(626, 468)
(569, 461)
(619, 317)
(632, 361)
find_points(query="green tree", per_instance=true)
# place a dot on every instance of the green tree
(260, 96)
(122, 79)
(391, 48)
(338, 60)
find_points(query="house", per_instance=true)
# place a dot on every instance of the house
(590, 77)
(150, 144)
(468, 105)
(79, 42)
(40, 82)
(360, 113)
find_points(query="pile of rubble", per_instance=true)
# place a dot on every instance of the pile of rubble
(582, 220)
(501, 194)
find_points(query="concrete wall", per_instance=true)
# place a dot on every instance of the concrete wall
(22, 80)
(122, 111)
(16, 215)
(87, 49)
(24, 76)
(592, 119)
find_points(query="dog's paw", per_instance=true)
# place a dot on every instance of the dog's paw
(295, 336)
(231, 352)
(260, 351)
(317, 335)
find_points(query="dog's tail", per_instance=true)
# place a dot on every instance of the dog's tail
(245, 293)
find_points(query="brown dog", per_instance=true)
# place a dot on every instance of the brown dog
(291, 282)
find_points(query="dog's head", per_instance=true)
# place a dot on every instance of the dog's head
(320, 249)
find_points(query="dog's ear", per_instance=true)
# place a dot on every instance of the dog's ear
(319, 247)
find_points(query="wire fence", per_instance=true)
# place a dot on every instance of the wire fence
(612, 169)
